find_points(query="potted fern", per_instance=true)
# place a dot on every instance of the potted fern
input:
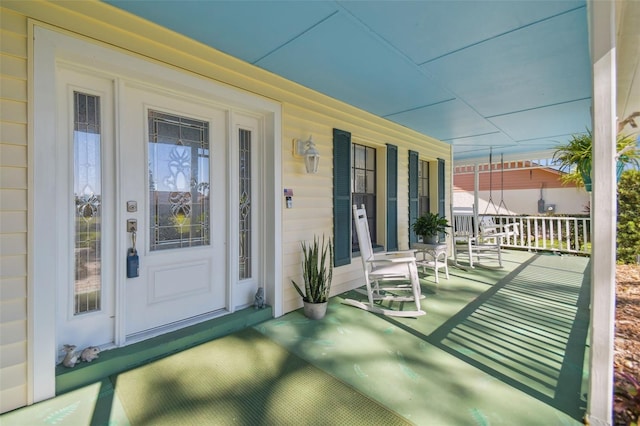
(575, 157)
(317, 273)
(429, 226)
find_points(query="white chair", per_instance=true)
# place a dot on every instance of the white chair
(489, 229)
(388, 266)
(463, 233)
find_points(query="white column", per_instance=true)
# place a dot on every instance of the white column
(476, 197)
(603, 210)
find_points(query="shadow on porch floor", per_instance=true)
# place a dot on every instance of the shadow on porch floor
(497, 347)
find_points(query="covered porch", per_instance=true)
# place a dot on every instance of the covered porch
(497, 346)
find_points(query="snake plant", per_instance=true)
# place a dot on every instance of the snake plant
(317, 271)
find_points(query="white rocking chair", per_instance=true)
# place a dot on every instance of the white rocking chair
(388, 266)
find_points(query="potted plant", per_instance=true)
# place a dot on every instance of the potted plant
(317, 272)
(429, 226)
(575, 156)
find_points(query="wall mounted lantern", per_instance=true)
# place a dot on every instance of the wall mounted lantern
(307, 149)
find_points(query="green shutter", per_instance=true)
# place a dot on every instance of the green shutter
(441, 194)
(341, 197)
(392, 197)
(413, 194)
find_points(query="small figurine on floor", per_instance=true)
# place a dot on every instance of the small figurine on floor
(259, 299)
(90, 353)
(71, 358)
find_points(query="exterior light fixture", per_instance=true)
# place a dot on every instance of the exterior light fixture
(307, 149)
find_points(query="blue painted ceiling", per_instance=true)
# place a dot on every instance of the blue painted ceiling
(511, 75)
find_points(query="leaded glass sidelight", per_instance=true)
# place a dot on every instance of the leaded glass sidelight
(178, 181)
(87, 192)
(244, 210)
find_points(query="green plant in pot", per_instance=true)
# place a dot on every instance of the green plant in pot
(575, 157)
(317, 273)
(429, 226)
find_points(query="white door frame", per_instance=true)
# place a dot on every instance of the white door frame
(49, 47)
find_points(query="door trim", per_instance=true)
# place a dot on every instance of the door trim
(49, 46)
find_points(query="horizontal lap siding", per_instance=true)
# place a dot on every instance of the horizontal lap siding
(13, 210)
(312, 210)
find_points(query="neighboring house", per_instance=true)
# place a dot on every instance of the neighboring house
(106, 120)
(522, 188)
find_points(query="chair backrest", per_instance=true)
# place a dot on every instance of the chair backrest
(463, 224)
(488, 225)
(362, 230)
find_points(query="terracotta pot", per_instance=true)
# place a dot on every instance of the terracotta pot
(315, 311)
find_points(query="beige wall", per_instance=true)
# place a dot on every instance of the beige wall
(13, 210)
(571, 201)
(304, 112)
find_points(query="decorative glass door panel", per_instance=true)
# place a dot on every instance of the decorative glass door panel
(178, 181)
(244, 183)
(87, 193)
(246, 148)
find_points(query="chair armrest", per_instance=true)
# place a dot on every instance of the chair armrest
(500, 230)
(392, 259)
(490, 240)
(403, 253)
(511, 227)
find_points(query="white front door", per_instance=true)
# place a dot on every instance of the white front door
(164, 167)
(195, 163)
(172, 163)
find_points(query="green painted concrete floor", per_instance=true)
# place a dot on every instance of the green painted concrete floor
(497, 347)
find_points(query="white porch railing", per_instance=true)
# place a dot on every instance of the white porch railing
(555, 233)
